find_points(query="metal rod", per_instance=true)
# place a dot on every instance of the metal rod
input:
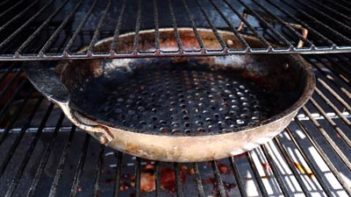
(340, 6)
(27, 155)
(99, 170)
(98, 27)
(61, 164)
(332, 123)
(309, 163)
(285, 24)
(119, 157)
(337, 80)
(137, 177)
(266, 24)
(329, 103)
(214, 29)
(45, 157)
(10, 100)
(158, 177)
(257, 175)
(331, 30)
(157, 32)
(175, 27)
(247, 24)
(238, 177)
(219, 180)
(231, 27)
(335, 95)
(11, 8)
(193, 24)
(78, 29)
(178, 180)
(59, 28)
(18, 15)
(37, 31)
(115, 40)
(291, 166)
(80, 166)
(18, 139)
(275, 171)
(325, 158)
(338, 22)
(198, 180)
(331, 142)
(336, 12)
(298, 21)
(137, 28)
(16, 114)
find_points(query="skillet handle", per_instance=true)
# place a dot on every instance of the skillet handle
(47, 81)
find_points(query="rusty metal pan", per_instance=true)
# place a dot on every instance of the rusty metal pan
(178, 109)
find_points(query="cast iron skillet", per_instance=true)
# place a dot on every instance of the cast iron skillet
(179, 109)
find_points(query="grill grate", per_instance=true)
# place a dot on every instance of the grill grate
(57, 29)
(42, 154)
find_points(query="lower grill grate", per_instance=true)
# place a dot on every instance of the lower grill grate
(43, 154)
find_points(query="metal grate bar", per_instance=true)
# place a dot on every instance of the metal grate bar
(175, 27)
(37, 31)
(59, 28)
(61, 165)
(119, 157)
(13, 147)
(219, 180)
(292, 168)
(70, 22)
(28, 153)
(341, 24)
(22, 27)
(231, 27)
(137, 28)
(336, 33)
(45, 157)
(4, 26)
(309, 162)
(265, 42)
(157, 26)
(262, 187)
(332, 10)
(80, 26)
(274, 168)
(137, 177)
(193, 24)
(198, 180)
(214, 29)
(238, 177)
(80, 166)
(178, 180)
(11, 8)
(342, 156)
(99, 171)
(97, 30)
(16, 115)
(324, 157)
(339, 6)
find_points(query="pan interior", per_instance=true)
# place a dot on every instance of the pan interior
(173, 97)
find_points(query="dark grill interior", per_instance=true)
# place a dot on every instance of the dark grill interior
(43, 154)
(57, 29)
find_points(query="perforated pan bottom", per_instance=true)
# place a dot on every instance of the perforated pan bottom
(178, 100)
